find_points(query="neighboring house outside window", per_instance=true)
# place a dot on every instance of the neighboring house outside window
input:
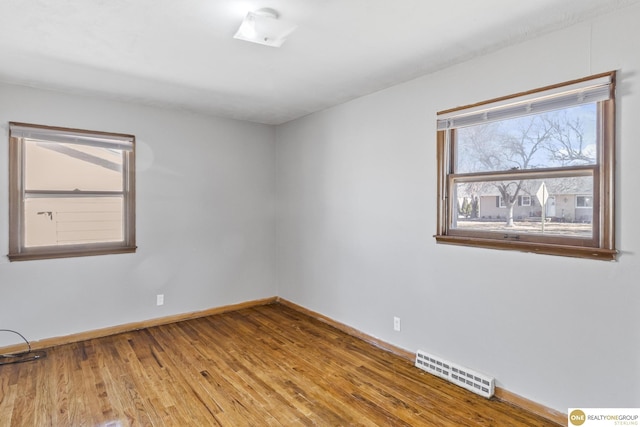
(538, 167)
(72, 192)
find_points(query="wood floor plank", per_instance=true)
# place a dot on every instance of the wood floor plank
(310, 387)
(8, 392)
(260, 366)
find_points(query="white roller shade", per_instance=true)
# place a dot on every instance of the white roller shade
(585, 92)
(119, 142)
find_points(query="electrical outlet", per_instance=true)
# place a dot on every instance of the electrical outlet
(160, 299)
(396, 324)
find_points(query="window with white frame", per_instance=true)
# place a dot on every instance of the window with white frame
(72, 192)
(522, 201)
(531, 147)
(584, 201)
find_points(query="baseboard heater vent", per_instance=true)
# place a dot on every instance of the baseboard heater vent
(459, 375)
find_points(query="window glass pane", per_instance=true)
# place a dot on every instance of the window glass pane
(68, 167)
(554, 139)
(51, 221)
(584, 202)
(498, 206)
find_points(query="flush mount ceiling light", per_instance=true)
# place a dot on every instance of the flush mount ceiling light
(264, 27)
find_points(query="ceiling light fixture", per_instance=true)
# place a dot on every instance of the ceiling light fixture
(264, 27)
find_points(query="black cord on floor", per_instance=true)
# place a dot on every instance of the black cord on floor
(24, 356)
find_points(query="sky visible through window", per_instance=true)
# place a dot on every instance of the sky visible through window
(553, 139)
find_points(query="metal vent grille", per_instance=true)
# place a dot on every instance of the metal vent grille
(464, 377)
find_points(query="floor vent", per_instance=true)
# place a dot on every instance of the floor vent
(459, 375)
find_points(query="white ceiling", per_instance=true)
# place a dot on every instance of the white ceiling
(181, 53)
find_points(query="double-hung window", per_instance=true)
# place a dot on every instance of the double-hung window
(72, 192)
(546, 156)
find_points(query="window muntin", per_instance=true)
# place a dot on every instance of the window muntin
(496, 155)
(72, 192)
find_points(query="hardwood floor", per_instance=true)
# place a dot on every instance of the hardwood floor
(267, 365)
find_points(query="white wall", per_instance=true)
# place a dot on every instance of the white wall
(205, 221)
(353, 233)
(357, 196)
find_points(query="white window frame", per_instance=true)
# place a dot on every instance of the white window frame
(19, 133)
(578, 206)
